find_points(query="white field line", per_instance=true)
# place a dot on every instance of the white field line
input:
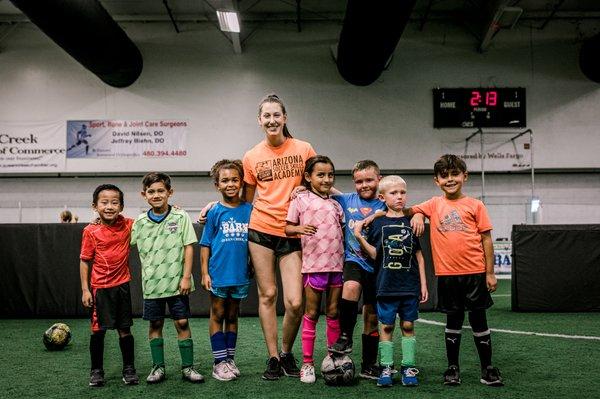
(533, 333)
(499, 295)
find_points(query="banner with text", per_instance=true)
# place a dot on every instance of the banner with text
(126, 138)
(32, 147)
(501, 152)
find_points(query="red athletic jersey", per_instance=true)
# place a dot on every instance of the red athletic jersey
(108, 248)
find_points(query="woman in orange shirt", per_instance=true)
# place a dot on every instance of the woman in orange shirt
(272, 169)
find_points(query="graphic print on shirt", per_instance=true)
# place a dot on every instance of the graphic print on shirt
(452, 222)
(233, 230)
(397, 246)
(279, 168)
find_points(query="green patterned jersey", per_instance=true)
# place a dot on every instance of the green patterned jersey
(161, 247)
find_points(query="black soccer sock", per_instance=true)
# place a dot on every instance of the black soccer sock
(370, 347)
(348, 312)
(127, 350)
(453, 334)
(97, 349)
(481, 336)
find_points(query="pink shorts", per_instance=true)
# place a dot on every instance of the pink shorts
(322, 281)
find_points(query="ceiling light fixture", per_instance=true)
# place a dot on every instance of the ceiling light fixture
(228, 21)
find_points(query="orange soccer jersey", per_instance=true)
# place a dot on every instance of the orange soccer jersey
(275, 171)
(455, 235)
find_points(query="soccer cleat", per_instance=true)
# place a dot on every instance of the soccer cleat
(409, 376)
(385, 378)
(190, 374)
(491, 376)
(371, 372)
(307, 373)
(452, 376)
(288, 365)
(157, 374)
(343, 346)
(233, 367)
(222, 372)
(130, 377)
(97, 378)
(273, 371)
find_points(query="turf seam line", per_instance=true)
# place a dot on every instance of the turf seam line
(532, 333)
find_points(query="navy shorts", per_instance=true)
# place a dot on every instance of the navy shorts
(111, 308)
(406, 307)
(463, 292)
(179, 308)
(354, 272)
(280, 245)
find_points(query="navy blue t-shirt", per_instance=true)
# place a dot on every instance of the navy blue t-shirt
(226, 234)
(396, 264)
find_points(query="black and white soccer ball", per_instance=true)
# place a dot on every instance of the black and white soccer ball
(57, 337)
(337, 370)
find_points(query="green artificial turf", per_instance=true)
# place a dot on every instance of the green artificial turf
(532, 366)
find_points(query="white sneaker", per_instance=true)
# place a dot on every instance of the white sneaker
(222, 372)
(233, 367)
(190, 374)
(307, 373)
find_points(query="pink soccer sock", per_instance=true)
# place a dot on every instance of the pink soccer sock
(333, 330)
(309, 332)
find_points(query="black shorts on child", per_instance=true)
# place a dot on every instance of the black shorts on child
(354, 272)
(112, 308)
(463, 292)
(281, 246)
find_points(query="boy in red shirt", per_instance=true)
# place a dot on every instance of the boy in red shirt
(105, 249)
(463, 258)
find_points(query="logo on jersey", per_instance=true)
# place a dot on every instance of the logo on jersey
(452, 222)
(280, 168)
(366, 211)
(172, 227)
(231, 228)
(352, 210)
(397, 247)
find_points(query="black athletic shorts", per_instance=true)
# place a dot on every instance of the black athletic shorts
(354, 272)
(463, 292)
(111, 308)
(280, 245)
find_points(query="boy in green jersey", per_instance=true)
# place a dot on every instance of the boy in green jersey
(164, 236)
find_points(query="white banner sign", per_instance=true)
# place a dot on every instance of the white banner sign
(32, 147)
(126, 138)
(501, 153)
(503, 257)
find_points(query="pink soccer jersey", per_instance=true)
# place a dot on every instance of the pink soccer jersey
(324, 251)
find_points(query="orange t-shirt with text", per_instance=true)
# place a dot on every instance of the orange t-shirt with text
(275, 171)
(455, 234)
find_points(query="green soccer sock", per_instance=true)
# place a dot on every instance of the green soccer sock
(386, 353)
(409, 348)
(157, 349)
(186, 349)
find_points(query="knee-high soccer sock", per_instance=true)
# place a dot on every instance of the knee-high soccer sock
(348, 312)
(219, 346)
(230, 341)
(454, 322)
(186, 350)
(333, 330)
(127, 350)
(370, 344)
(309, 332)
(481, 336)
(386, 353)
(157, 350)
(97, 350)
(409, 349)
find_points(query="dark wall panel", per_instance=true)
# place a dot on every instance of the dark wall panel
(39, 265)
(556, 268)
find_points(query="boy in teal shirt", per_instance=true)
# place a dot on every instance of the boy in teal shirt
(164, 237)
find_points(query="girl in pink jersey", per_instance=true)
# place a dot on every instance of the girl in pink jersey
(318, 220)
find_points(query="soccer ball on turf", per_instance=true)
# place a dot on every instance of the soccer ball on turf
(57, 337)
(337, 370)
